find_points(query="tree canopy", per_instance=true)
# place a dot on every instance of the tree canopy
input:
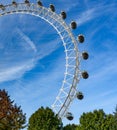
(11, 116)
(70, 127)
(97, 120)
(115, 119)
(44, 119)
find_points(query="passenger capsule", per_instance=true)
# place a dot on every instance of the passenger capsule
(73, 25)
(63, 15)
(80, 95)
(39, 3)
(27, 2)
(2, 7)
(52, 7)
(81, 38)
(85, 75)
(85, 55)
(14, 3)
(69, 116)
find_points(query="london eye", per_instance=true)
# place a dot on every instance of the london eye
(72, 75)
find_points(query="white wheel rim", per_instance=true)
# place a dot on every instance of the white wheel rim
(72, 74)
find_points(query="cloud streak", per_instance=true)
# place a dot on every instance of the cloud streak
(93, 12)
(17, 68)
(26, 39)
(15, 72)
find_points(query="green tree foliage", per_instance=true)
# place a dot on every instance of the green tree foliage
(70, 127)
(44, 119)
(96, 120)
(114, 126)
(11, 116)
(115, 113)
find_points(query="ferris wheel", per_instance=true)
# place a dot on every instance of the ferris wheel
(68, 91)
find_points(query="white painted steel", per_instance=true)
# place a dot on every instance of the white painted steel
(72, 73)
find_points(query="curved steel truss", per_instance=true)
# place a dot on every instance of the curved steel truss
(72, 73)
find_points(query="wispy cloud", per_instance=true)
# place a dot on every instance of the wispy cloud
(45, 50)
(32, 50)
(44, 87)
(15, 72)
(16, 60)
(86, 16)
(26, 39)
(93, 12)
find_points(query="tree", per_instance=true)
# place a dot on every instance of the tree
(70, 127)
(115, 113)
(44, 119)
(114, 126)
(96, 120)
(11, 116)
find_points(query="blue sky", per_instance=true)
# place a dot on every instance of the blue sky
(32, 58)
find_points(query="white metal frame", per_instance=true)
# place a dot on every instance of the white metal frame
(72, 73)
